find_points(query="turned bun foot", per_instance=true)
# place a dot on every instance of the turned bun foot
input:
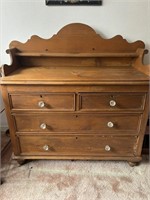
(133, 164)
(21, 162)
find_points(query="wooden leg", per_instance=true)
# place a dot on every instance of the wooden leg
(2, 181)
(21, 162)
(133, 164)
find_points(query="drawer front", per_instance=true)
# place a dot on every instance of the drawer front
(78, 123)
(50, 101)
(98, 101)
(77, 145)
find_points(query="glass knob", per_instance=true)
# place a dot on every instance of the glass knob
(43, 126)
(46, 147)
(107, 148)
(41, 104)
(112, 103)
(110, 124)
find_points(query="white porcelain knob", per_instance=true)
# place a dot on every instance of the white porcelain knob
(110, 124)
(41, 104)
(43, 126)
(46, 147)
(112, 103)
(107, 148)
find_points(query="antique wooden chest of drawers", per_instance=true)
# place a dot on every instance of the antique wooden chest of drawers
(76, 96)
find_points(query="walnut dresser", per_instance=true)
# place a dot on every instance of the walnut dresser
(76, 96)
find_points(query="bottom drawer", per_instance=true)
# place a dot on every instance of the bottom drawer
(77, 145)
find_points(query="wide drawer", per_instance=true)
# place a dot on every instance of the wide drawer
(108, 123)
(111, 101)
(77, 145)
(49, 101)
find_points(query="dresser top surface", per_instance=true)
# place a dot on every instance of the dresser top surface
(75, 75)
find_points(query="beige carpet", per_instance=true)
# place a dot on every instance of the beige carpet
(77, 180)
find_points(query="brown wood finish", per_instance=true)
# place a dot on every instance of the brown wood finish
(76, 145)
(76, 75)
(102, 101)
(11, 124)
(82, 123)
(50, 101)
(130, 88)
(89, 123)
(76, 96)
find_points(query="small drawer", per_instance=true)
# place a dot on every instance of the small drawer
(111, 102)
(77, 145)
(50, 101)
(81, 123)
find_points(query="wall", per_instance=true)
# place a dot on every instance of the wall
(22, 18)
